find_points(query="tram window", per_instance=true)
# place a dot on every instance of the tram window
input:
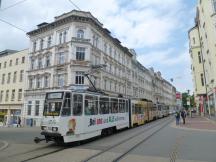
(137, 109)
(66, 110)
(91, 105)
(141, 110)
(121, 106)
(133, 108)
(114, 105)
(104, 105)
(126, 105)
(77, 104)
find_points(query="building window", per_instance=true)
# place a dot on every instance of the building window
(105, 47)
(47, 61)
(41, 44)
(32, 64)
(13, 95)
(1, 96)
(46, 81)
(20, 95)
(202, 79)
(60, 80)
(10, 63)
(0, 65)
(61, 58)
(80, 53)
(49, 41)
(34, 46)
(21, 75)
(194, 40)
(38, 83)
(199, 57)
(7, 95)
(8, 79)
(40, 63)
(30, 83)
(80, 34)
(37, 107)
(95, 41)
(3, 78)
(17, 61)
(105, 84)
(79, 79)
(14, 77)
(60, 38)
(23, 60)
(5, 64)
(29, 107)
(65, 37)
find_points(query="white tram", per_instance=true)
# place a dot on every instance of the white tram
(78, 115)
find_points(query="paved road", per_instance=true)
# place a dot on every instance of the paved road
(172, 143)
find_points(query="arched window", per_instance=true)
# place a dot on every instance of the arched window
(80, 33)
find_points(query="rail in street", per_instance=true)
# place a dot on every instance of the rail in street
(128, 144)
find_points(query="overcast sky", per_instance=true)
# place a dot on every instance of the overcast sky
(156, 29)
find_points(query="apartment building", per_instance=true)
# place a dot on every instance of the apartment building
(202, 50)
(74, 45)
(12, 80)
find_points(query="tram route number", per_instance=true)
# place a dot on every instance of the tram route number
(99, 121)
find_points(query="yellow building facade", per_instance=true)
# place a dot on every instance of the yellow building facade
(12, 81)
(204, 33)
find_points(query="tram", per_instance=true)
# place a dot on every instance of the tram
(76, 115)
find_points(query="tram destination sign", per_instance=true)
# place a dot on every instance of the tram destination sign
(55, 95)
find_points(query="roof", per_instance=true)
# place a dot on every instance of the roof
(7, 52)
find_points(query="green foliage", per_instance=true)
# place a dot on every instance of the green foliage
(185, 98)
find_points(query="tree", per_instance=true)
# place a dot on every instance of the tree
(184, 100)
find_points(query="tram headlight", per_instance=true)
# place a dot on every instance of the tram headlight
(55, 129)
(43, 128)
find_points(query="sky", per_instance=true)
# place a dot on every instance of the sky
(156, 29)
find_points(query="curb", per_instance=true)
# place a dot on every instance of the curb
(4, 146)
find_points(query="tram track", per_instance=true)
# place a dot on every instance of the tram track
(34, 153)
(51, 149)
(105, 155)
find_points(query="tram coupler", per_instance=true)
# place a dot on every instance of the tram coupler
(37, 139)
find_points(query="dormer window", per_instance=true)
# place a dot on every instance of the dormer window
(80, 34)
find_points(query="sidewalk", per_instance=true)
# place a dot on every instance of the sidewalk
(213, 118)
(199, 123)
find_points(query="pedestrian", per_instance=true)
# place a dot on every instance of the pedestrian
(183, 115)
(19, 121)
(31, 122)
(177, 115)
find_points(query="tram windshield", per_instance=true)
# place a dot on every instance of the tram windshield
(52, 108)
(53, 104)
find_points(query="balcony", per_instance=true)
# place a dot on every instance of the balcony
(80, 40)
(80, 63)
